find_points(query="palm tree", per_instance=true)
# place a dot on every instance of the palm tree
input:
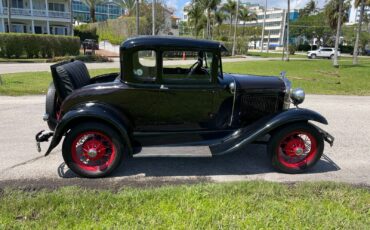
(219, 17)
(195, 14)
(209, 6)
(336, 12)
(235, 27)
(9, 3)
(230, 7)
(359, 3)
(92, 5)
(128, 5)
(308, 9)
(245, 15)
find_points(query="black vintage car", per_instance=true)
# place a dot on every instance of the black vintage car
(172, 91)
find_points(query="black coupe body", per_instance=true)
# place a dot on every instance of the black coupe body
(172, 91)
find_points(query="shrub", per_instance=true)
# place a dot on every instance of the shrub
(84, 58)
(35, 45)
(292, 49)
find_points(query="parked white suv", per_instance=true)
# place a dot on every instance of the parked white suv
(323, 52)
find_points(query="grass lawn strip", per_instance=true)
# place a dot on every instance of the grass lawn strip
(315, 76)
(254, 204)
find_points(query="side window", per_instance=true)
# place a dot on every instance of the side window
(187, 66)
(144, 65)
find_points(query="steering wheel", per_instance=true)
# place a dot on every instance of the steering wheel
(194, 67)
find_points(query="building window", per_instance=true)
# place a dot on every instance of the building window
(56, 7)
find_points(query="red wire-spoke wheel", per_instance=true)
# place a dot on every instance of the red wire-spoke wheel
(296, 148)
(92, 149)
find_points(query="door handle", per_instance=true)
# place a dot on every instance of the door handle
(163, 87)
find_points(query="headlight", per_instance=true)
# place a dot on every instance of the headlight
(297, 96)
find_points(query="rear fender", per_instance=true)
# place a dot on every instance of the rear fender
(88, 112)
(264, 126)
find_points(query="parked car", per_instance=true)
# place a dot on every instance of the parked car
(90, 44)
(322, 53)
(154, 101)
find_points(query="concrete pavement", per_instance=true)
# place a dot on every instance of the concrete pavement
(347, 161)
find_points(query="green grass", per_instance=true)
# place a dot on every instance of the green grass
(271, 55)
(315, 76)
(16, 84)
(247, 205)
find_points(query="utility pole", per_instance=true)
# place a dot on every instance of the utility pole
(287, 32)
(137, 18)
(235, 27)
(263, 26)
(153, 17)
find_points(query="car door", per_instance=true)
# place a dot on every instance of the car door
(187, 90)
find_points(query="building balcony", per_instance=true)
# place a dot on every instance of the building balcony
(36, 13)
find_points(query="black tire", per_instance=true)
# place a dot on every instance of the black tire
(331, 56)
(278, 155)
(313, 56)
(108, 137)
(50, 106)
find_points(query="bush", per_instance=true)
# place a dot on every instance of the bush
(85, 32)
(306, 47)
(292, 49)
(84, 58)
(346, 49)
(14, 45)
(241, 46)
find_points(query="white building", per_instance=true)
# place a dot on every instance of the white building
(37, 16)
(274, 23)
(354, 14)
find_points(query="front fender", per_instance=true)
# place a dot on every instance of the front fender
(264, 126)
(92, 111)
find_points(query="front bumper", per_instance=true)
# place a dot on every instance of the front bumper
(327, 137)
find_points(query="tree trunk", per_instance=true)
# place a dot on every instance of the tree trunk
(235, 28)
(208, 23)
(92, 14)
(9, 16)
(137, 17)
(339, 25)
(231, 24)
(153, 17)
(358, 33)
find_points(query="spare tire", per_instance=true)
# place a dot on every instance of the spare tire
(51, 106)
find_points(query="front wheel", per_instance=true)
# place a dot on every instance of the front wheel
(295, 148)
(92, 149)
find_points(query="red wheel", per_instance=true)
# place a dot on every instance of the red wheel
(296, 148)
(92, 150)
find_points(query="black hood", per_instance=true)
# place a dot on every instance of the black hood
(254, 82)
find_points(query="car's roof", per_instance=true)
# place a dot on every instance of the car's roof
(171, 41)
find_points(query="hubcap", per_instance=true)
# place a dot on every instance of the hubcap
(93, 151)
(297, 149)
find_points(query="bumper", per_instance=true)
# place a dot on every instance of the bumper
(42, 136)
(327, 137)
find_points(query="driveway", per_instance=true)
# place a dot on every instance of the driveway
(347, 161)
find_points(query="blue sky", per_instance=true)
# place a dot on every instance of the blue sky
(179, 4)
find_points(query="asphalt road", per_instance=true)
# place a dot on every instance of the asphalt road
(347, 161)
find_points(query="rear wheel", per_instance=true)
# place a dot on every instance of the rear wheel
(295, 148)
(331, 56)
(93, 150)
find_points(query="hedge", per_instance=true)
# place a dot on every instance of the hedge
(15, 45)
